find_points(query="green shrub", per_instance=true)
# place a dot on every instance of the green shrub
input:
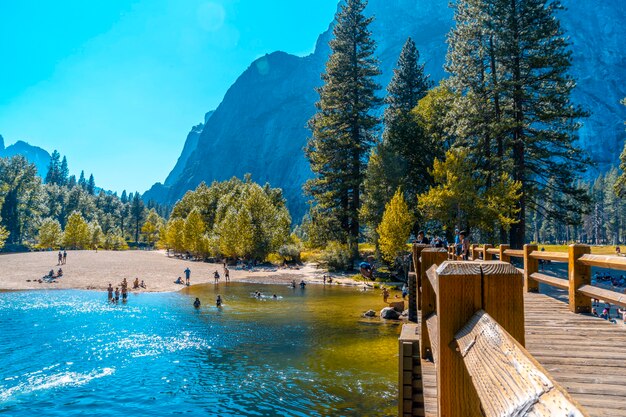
(337, 257)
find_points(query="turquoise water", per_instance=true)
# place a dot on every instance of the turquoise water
(66, 353)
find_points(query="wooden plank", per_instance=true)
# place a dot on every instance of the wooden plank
(508, 381)
(493, 251)
(604, 261)
(609, 296)
(503, 296)
(531, 265)
(579, 275)
(514, 253)
(430, 258)
(550, 256)
(414, 282)
(458, 298)
(550, 280)
(432, 327)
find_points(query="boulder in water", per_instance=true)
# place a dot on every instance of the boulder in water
(370, 313)
(389, 313)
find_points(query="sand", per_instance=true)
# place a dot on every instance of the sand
(95, 270)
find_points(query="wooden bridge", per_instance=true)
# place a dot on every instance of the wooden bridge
(485, 342)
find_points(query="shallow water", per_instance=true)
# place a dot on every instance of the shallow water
(308, 353)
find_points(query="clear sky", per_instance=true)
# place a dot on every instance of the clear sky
(115, 85)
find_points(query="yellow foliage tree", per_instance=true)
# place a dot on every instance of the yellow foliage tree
(50, 234)
(460, 197)
(395, 228)
(193, 233)
(151, 229)
(77, 234)
(174, 234)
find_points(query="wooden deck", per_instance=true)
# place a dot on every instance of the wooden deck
(585, 354)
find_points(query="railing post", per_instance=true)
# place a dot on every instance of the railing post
(503, 256)
(415, 283)
(410, 387)
(474, 252)
(503, 297)
(487, 256)
(531, 266)
(430, 257)
(578, 275)
(458, 298)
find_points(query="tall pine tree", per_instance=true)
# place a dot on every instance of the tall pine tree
(343, 128)
(510, 60)
(404, 156)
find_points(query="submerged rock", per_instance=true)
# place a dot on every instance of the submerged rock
(389, 313)
(370, 313)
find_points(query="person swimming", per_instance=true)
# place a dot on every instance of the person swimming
(218, 301)
(196, 303)
(275, 297)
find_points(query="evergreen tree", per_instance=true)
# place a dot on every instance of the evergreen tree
(510, 59)
(91, 185)
(405, 153)
(402, 132)
(343, 127)
(71, 182)
(53, 176)
(620, 185)
(82, 183)
(124, 197)
(137, 212)
(64, 172)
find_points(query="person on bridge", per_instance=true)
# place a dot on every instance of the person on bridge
(421, 238)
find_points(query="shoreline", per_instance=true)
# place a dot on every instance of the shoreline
(93, 271)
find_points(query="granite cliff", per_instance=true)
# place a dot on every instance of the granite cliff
(260, 126)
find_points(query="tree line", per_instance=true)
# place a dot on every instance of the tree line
(60, 211)
(491, 149)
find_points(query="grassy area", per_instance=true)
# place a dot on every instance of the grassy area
(311, 255)
(599, 250)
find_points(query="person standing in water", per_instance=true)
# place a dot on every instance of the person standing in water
(385, 294)
(196, 303)
(124, 293)
(226, 273)
(187, 276)
(218, 301)
(216, 276)
(117, 294)
(110, 291)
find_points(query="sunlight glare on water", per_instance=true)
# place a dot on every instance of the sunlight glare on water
(306, 353)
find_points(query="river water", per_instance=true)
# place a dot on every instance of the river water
(306, 353)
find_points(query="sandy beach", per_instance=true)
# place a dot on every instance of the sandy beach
(95, 270)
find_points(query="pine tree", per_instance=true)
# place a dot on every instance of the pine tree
(343, 127)
(124, 197)
(91, 185)
(82, 183)
(71, 182)
(405, 153)
(402, 132)
(64, 172)
(54, 169)
(620, 184)
(510, 59)
(137, 212)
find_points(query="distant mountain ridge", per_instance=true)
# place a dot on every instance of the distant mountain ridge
(260, 126)
(34, 154)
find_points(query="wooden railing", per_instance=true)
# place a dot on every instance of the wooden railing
(579, 261)
(471, 328)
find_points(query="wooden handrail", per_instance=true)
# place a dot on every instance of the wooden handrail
(609, 296)
(550, 280)
(515, 253)
(494, 359)
(493, 251)
(550, 256)
(604, 261)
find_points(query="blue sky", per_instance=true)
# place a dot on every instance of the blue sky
(115, 85)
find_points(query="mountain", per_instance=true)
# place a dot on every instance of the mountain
(260, 126)
(33, 154)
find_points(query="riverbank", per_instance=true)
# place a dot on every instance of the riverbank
(90, 270)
